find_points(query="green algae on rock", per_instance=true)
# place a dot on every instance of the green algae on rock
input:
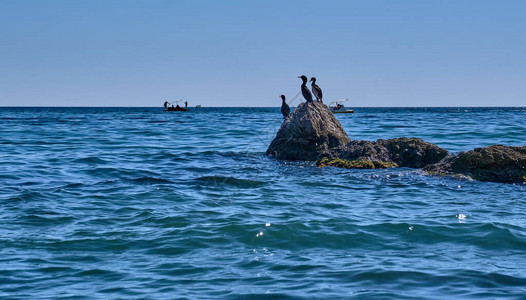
(312, 133)
(403, 152)
(354, 164)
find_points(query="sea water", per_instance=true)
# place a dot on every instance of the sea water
(136, 203)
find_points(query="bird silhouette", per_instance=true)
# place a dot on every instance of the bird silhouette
(285, 109)
(316, 90)
(304, 90)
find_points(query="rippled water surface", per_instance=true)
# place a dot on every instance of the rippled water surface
(143, 204)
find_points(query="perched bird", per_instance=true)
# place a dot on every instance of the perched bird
(285, 109)
(316, 90)
(304, 90)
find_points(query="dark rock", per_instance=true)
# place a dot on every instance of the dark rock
(311, 131)
(402, 152)
(495, 163)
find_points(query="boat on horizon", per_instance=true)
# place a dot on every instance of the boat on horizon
(178, 108)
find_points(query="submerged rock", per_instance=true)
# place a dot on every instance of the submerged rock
(310, 131)
(495, 163)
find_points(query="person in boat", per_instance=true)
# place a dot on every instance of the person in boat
(338, 106)
(166, 104)
(177, 107)
(185, 104)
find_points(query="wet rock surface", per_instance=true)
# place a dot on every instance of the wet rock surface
(495, 163)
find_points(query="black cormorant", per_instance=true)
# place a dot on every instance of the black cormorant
(304, 90)
(285, 109)
(316, 90)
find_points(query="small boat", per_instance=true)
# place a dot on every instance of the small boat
(338, 108)
(198, 105)
(178, 108)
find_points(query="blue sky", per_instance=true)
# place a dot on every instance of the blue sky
(247, 53)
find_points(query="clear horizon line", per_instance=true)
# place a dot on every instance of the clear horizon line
(81, 106)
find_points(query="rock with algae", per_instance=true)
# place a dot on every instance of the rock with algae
(403, 152)
(313, 133)
(353, 164)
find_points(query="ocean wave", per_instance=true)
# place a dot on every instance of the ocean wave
(231, 181)
(150, 180)
(114, 204)
(90, 160)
